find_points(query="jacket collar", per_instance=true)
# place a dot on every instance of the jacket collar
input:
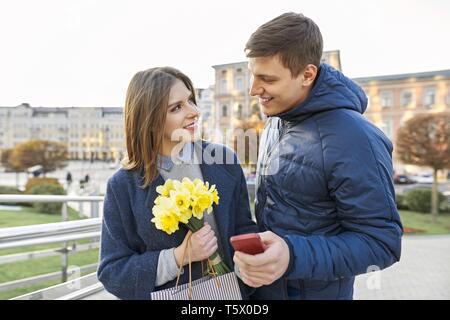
(332, 90)
(166, 163)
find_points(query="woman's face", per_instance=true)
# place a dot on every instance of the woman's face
(182, 116)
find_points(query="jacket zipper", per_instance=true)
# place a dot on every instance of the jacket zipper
(266, 165)
(282, 132)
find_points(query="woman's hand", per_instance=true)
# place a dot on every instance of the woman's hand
(203, 243)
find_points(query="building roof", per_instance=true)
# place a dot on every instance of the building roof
(45, 110)
(112, 110)
(326, 53)
(230, 64)
(404, 76)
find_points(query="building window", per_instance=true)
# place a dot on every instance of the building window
(239, 111)
(386, 127)
(239, 84)
(224, 111)
(386, 99)
(406, 98)
(223, 86)
(429, 98)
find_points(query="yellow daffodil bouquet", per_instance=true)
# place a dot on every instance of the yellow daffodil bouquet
(186, 202)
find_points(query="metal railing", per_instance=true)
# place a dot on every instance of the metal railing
(23, 256)
(74, 289)
(64, 232)
(73, 272)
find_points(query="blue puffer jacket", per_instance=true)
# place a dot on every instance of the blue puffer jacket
(325, 185)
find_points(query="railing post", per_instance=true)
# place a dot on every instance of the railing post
(94, 209)
(64, 250)
(94, 214)
(80, 209)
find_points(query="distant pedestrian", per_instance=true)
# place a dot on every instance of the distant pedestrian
(69, 179)
(86, 179)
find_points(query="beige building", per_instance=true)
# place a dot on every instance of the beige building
(232, 100)
(333, 58)
(88, 133)
(205, 103)
(393, 99)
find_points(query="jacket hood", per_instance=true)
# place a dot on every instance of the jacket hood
(332, 90)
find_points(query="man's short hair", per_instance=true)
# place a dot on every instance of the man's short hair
(295, 38)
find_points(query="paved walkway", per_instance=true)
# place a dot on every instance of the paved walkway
(423, 273)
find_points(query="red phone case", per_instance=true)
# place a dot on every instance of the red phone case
(249, 243)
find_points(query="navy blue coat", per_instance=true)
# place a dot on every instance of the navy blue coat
(325, 185)
(130, 243)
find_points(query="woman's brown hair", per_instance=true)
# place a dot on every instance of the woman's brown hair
(146, 105)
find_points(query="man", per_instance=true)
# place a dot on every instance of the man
(325, 195)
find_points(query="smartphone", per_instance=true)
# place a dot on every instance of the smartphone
(249, 243)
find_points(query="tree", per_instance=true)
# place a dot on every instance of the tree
(5, 156)
(49, 154)
(424, 140)
(5, 160)
(246, 139)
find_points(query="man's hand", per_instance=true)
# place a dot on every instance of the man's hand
(264, 268)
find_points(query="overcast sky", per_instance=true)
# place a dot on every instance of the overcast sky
(61, 53)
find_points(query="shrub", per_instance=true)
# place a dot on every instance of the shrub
(32, 182)
(48, 207)
(9, 190)
(400, 202)
(419, 200)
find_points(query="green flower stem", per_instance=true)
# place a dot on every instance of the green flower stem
(220, 268)
(195, 224)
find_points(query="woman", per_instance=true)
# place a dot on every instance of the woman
(162, 143)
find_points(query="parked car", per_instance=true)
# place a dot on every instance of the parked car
(425, 178)
(403, 179)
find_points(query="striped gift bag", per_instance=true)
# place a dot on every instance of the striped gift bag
(224, 287)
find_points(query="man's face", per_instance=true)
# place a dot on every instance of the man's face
(278, 92)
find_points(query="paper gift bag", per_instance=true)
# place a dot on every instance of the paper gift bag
(224, 287)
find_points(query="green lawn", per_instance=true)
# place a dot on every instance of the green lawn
(29, 217)
(20, 291)
(29, 268)
(422, 221)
